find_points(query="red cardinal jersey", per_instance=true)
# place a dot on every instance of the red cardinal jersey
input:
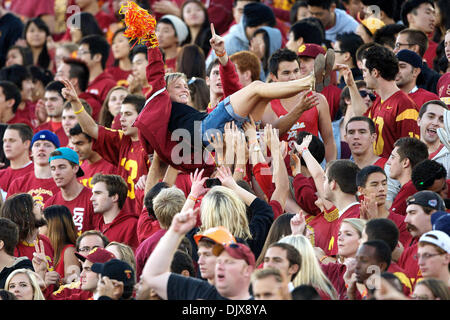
(394, 118)
(39, 189)
(90, 169)
(8, 175)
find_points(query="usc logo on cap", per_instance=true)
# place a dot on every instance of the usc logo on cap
(302, 48)
(128, 274)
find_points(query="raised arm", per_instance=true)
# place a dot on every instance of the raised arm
(156, 271)
(87, 123)
(358, 105)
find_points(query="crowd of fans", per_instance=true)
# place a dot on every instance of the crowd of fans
(269, 150)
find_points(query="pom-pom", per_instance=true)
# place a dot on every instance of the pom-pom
(140, 25)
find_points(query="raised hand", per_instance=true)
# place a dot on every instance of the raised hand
(39, 260)
(298, 223)
(197, 188)
(184, 221)
(296, 166)
(225, 177)
(347, 74)
(304, 145)
(307, 100)
(217, 42)
(369, 207)
(68, 92)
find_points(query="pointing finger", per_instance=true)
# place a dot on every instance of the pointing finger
(213, 31)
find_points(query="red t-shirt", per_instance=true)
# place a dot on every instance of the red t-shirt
(25, 249)
(333, 95)
(28, 114)
(90, 169)
(32, 9)
(146, 226)
(121, 229)
(420, 96)
(8, 175)
(81, 208)
(94, 102)
(128, 156)
(381, 162)
(394, 118)
(119, 75)
(399, 204)
(430, 54)
(399, 220)
(39, 189)
(443, 88)
(170, 65)
(353, 211)
(19, 117)
(145, 249)
(56, 128)
(409, 263)
(100, 86)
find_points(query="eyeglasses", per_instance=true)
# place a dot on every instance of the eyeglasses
(398, 44)
(426, 256)
(81, 52)
(339, 51)
(424, 297)
(365, 93)
(87, 249)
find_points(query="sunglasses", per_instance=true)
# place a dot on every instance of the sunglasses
(364, 94)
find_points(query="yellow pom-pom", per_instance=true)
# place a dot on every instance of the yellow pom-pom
(140, 24)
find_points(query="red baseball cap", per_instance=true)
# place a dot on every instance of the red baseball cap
(311, 50)
(237, 251)
(96, 255)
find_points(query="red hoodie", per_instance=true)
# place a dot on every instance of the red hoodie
(121, 229)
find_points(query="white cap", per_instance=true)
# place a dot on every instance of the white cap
(438, 238)
(180, 27)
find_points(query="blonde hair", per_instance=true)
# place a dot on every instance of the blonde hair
(173, 76)
(357, 224)
(221, 206)
(168, 203)
(37, 292)
(126, 253)
(310, 272)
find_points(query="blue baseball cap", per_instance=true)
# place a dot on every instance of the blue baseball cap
(69, 155)
(46, 135)
(442, 223)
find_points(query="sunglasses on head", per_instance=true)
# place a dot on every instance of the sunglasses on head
(365, 93)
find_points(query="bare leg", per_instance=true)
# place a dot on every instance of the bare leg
(255, 97)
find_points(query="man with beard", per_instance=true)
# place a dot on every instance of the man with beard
(418, 221)
(27, 214)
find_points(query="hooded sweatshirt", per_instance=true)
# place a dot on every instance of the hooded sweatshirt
(121, 229)
(274, 44)
(344, 23)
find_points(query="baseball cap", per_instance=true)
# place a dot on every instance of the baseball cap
(237, 251)
(179, 25)
(426, 198)
(442, 223)
(410, 57)
(116, 270)
(46, 135)
(438, 238)
(96, 255)
(311, 50)
(219, 235)
(69, 155)
(372, 24)
(256, 14)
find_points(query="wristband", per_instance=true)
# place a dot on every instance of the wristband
(79, 111)
(303, 150)
(191, 197)
(239, 170)
(222, 54)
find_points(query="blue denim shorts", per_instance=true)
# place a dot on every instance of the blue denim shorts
(216, 120)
